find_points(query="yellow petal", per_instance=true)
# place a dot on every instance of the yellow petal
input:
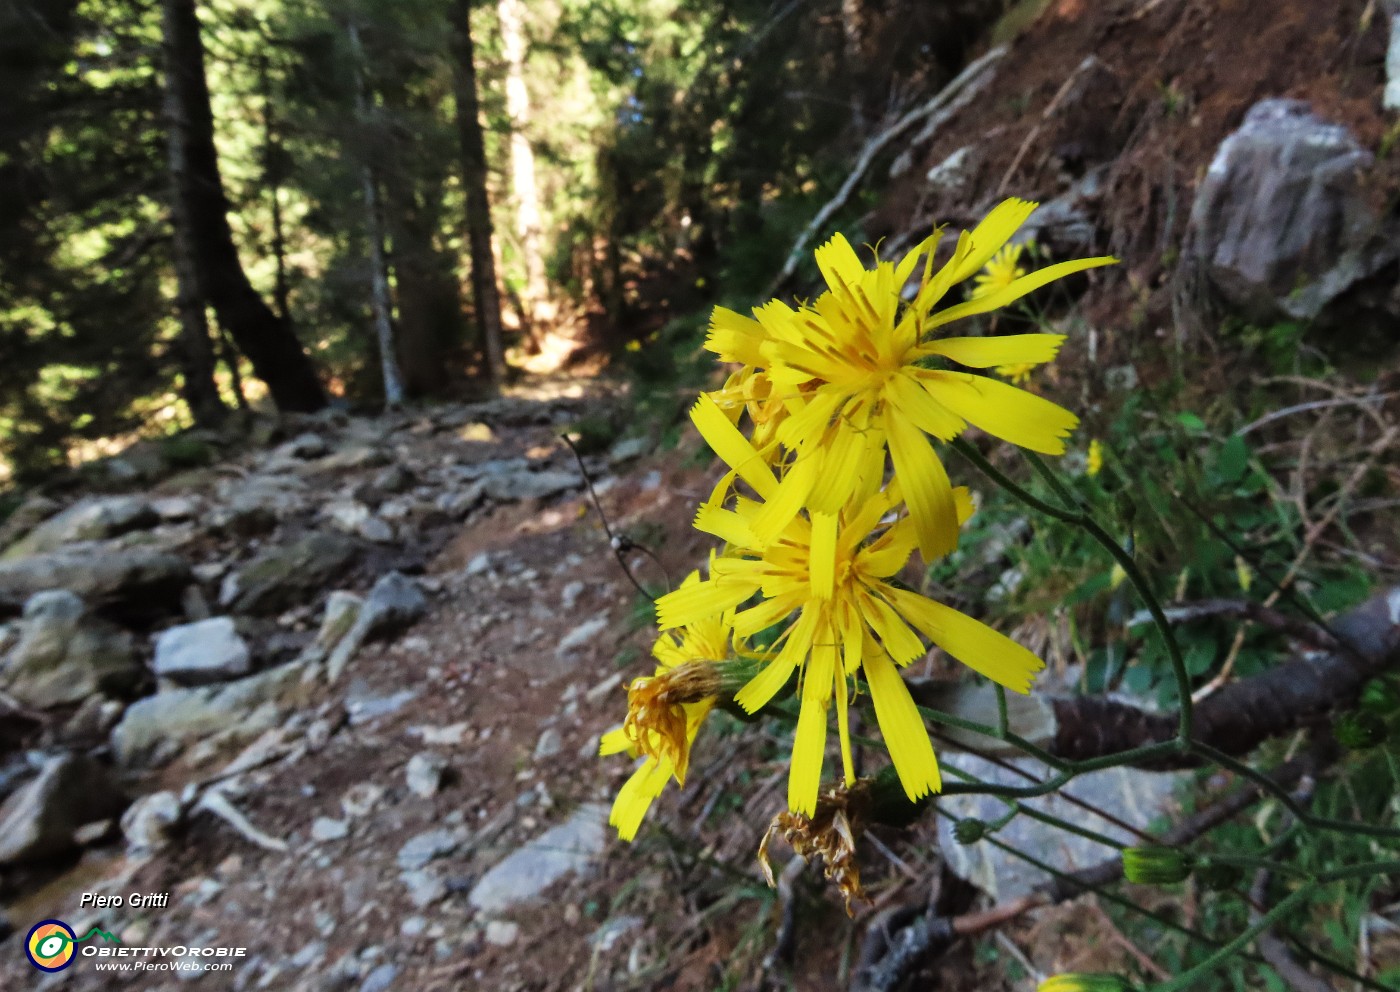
(724, 524)
(971, 642)
(765, 685)
(614, 742)
(809, 743)
(912, 400)
(732, 447)
(843, 725)
(926, 488)
(903, 728)
(734, 337)
(690, 604)
(822, 555)
(1003, 410)
(838, 262)
(1010, 294)
(902, 643)
(1004, 220)
(636, 796)
(784, 503)
(1010, 349)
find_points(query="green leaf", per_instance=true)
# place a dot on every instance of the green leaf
(1190, 421)
(1233, 460)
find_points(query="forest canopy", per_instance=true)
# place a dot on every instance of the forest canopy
(437, 182)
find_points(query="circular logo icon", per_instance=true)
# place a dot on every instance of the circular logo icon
(49, 946)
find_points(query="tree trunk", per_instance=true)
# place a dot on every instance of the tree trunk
(485, 294)
(277, 356)
(194, 346)
(522, 156)
(380, 301)
(274, 171)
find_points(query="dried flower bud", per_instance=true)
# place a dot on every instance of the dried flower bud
(1155, 865)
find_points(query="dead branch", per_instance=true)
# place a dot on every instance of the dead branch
(944, 105)
(1301, 692)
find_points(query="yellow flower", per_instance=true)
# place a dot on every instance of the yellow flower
(665, 711)
(1094, 464)
(1018, 373)
(845, 379)
(1003, 269)
(1116, 575)
(829, 577)
(1071, 982)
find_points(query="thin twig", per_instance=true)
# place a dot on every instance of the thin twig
(619, 544)
(1288, 411)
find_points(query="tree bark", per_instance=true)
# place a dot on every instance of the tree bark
(522, 156)
(380, 301)
(485, 293)
(276, 355)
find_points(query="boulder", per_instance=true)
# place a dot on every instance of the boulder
(1282, 224)
(530, 485)
(39, 820)
(89, 520)
(128, 583)
(64, 655)
(281, 577)
(570, 848)
(199, 653)
(29, 514)
(155, 729)
(394, 603)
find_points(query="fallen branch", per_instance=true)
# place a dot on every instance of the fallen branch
(945, 104)
(1301, 692)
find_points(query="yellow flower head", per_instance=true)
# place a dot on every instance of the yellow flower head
(1018, 374)
(1094, 463)
(828, 576)
(664, 713)
(1001, 271)
(840, 382)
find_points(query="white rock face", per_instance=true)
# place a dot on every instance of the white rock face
(199, 653)
(1391, 99)
(571, 847)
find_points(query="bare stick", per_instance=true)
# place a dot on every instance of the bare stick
(949, 101)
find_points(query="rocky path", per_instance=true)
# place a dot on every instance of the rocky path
(353, 682)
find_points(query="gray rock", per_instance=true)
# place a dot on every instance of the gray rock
(363, 708)
(395, 602)
(89, 520)
(39, 820)
(629, 449)
(531, 485)
(430, 845)
(572, 847)
(175, 509)
(131, 583)
(1066, 224)
(502, 933)
(345, 516)
(308, 445)
(280, 577)
(424, 887)
(323, 829)
(200, 653)
(30, 514)
(1131, 795)
(395, 479)
(381, 979)
(550, 744)
(64, 656)
(150, 823)
(1281, 225)
(952, 176)
(584, 633)
(376, 530)
(457, 503)
(153, 730)
(424, 772)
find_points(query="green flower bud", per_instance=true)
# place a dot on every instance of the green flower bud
(1071, 982)
(969, 831)
(1360, 730)
(1155, 865)
(1217, 877)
